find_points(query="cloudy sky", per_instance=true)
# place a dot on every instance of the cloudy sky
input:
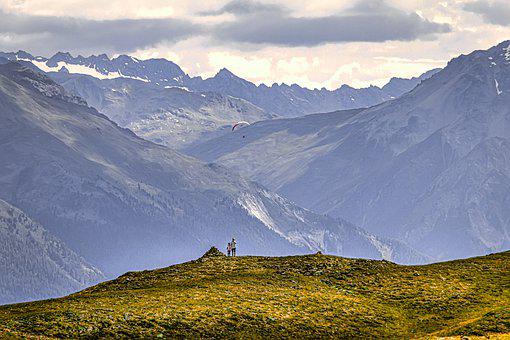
(313, 43)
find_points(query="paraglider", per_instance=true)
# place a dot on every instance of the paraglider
(239, 125)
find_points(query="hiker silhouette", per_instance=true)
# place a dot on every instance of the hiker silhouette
(233, 246)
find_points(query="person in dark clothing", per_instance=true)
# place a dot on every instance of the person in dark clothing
(233, 246)
(229, 249)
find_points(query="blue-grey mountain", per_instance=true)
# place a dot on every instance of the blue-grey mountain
(431, 168)
(34, 264)
(159, 102)
(125, 203)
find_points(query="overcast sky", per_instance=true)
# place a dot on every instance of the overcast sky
(313, 43)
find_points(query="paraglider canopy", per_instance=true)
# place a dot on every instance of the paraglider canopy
(239, 125)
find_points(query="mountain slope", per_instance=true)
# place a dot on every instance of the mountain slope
(399, 86)
(149, 97)
(159, 102)
(170, 115)
(294, 100)
(430, 167)
(313, 296)
(125, 203)
(34, 264)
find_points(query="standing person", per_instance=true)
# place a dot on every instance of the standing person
(229, 249)
(233, 246)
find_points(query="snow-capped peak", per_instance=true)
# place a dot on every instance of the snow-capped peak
(158, 71)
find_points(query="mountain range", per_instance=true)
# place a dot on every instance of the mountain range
(431, 168)
(159, 102)
(124, 203)
(423, 176)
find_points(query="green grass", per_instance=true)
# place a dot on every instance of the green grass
(293, 297)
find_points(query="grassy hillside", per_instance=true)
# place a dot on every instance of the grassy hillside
(296, 296)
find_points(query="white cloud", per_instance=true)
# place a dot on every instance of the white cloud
(297, 65)
(330, 65)
(255, 68)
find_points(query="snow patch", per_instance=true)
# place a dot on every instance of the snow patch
(133, 77)
(257, 209)
(498, 91)
(79, 69)
(384, 249)
(313, 239)
(178, 87)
